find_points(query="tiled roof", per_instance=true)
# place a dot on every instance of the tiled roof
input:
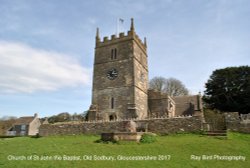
(24, 120)
(186, 105)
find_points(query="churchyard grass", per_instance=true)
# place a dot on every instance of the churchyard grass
(179, 150)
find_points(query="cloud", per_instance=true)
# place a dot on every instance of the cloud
(27, 70)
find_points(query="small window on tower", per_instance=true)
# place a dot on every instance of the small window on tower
(112, 51)
(113, 54)
(112, 103)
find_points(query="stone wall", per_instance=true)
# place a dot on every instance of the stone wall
(159, 126)
(160, 104)
(173, 125)
(236, 123)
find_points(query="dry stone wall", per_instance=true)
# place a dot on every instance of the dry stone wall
(160, 126)
(236, 123)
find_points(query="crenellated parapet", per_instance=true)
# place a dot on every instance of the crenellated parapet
(131, 35)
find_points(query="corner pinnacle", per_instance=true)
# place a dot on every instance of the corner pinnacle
(97, 37)
(132, 25)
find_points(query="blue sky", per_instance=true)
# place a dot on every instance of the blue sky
(47, 46)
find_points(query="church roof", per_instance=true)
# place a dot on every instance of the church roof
(186, 105)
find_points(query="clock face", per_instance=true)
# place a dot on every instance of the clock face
(112, 74)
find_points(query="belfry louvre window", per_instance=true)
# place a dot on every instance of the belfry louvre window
(113, 54)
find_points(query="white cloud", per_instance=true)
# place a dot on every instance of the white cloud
(26, 69)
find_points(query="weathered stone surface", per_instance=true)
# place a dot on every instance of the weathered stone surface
(234, 123)
(160, 126)
(131, 126)
(160, 104)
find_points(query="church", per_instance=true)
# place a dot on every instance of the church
(120, 83)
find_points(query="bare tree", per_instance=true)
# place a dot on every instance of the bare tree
(158, 83)
(171, 86)
(175, 87)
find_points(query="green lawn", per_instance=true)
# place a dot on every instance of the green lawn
(174, 150)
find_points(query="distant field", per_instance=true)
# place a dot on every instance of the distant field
(168, 151)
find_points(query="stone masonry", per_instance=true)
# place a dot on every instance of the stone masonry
(236, 123)
(159, 126)
(120, 79)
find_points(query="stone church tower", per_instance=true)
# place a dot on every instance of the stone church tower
(120, 80)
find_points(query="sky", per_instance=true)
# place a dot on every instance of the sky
(47, 46)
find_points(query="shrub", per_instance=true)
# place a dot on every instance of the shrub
(148, 138)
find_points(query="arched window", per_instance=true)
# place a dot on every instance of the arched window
(111, 117)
